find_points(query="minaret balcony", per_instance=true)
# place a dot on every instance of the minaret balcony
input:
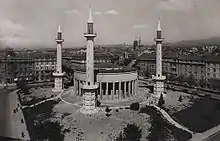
(158, 40)
(90, 35)
(59, 40)
(159, 78)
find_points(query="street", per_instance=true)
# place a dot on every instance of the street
(4, 112)
(10, 119)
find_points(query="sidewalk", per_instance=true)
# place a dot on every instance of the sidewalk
(16, 126)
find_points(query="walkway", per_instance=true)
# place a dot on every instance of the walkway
(17, 127)
(49, 99)
(43, 101)
(167, 116)
(205, 136)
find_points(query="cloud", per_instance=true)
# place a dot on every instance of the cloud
(97, 13)
(112, 12)
(140, 26)
(74, 11)
(176, 5)
(13, 33)
(10, 29)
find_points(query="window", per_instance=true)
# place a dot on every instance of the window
(214, 75)
(214, 69)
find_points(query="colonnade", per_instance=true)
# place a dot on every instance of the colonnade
(111, 90)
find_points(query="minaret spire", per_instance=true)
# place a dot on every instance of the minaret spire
(90, 14)
(59, 29)
(158, 26)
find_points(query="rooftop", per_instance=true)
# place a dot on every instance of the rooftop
(175, 55)
(104, 67)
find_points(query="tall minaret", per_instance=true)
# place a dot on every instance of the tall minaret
(90, 88)
(159, 79)
(58, 83)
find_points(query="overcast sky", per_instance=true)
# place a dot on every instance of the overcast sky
(31, 22)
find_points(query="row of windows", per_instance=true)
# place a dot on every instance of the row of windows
(45, 68)
(214, 69)
(45, 63)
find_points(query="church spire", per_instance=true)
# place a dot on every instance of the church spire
(90, 14)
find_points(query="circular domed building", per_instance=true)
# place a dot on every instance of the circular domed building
(115, 82)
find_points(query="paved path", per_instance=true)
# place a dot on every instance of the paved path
(167, 116)
(207, 135)
(15, 127)
(40, 102)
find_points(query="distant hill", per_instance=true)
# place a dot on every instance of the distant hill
(201, 42)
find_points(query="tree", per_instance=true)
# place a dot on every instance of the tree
(126, 61)
(147, 73)
(130, 133)
(181, 79)
(107, 110)
(161, 101)
(23, 86)
(191, 80)
(203, 83)
(98, 103)
(180, 98)
(135, 106)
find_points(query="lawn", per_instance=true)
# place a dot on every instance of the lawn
(161, 130)
(203, 114)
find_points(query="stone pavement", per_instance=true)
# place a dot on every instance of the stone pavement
(17, 126)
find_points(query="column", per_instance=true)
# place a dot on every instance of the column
(107, 90)
(132, 90)
(136, 87)
(100, 87)
(74, 81)
(125, 89)
(119, 90)
(113, 93)
(80, 88)
(77, 89)
(129, 88)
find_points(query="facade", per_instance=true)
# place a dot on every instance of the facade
(174, 65)
(44, 69)
(32, 67)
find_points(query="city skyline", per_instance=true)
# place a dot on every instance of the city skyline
(35, 22)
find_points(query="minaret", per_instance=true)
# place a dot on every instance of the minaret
(58, 83)
(159, 79)
(90, 88)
